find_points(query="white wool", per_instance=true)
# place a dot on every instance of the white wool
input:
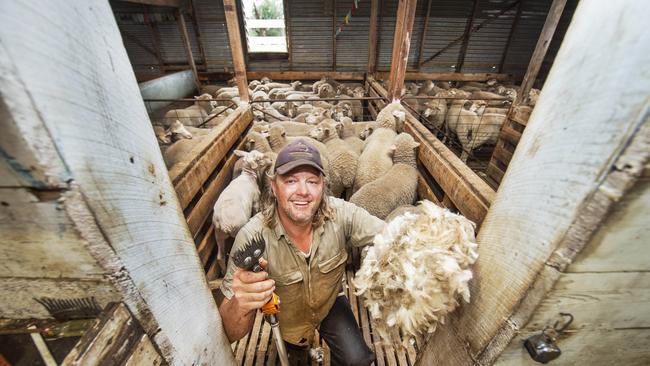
(417, 269)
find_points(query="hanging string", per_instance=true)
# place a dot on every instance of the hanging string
(348, 17)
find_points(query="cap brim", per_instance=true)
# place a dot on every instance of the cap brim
(286, 168)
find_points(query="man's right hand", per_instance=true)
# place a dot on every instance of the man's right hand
(252, 290)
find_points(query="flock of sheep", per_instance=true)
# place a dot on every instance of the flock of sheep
(473, 112)
(362, 160)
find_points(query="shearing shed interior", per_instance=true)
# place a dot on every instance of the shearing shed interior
(135, 132)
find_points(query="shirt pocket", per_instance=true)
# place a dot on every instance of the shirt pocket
(330, 272)
(289, 286)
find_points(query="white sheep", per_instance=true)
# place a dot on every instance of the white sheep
(435, 111)
(416, 271)
(193, 115)
(376, 158)
(473, 132)
(175, 132)
(398, 186)
(343, 161)
(294, 128)
(350, 134)
(392, 116)
(239, 201)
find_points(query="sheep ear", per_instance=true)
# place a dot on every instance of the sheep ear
(415, 144)
(239, 153)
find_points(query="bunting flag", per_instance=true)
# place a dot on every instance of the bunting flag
(348, 17)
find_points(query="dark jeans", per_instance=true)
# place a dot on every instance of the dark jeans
(343, 336)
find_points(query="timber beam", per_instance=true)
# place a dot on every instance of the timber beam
(401, 44)
(236, 48)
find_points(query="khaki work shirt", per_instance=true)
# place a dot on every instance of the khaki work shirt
(307, 290)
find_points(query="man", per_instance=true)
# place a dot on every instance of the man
(306, 233)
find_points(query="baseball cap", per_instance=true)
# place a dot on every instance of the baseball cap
(298, 153)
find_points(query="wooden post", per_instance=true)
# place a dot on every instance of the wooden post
(466, 36)
(515, 22)
(88, 208)
(552, 19)
(188, 48)
(424, 33)
(401, 44)
(232, 21)
(572, 165)
(373, 37)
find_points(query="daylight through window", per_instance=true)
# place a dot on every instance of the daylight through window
(265, 27)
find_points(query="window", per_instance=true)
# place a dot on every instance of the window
(265, 27)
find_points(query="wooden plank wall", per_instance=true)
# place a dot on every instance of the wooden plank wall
(78, 145)
(507, 142)
(447, 178)
(606, 289)
(116, 339)
(572, 164)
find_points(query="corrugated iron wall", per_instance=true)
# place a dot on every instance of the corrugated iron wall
(311, 26)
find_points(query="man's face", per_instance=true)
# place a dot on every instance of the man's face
(299, 194)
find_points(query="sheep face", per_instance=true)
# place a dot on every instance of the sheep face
(177, 131)
(325, 91)
(254, 160)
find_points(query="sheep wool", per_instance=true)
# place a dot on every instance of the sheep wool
(418, 267)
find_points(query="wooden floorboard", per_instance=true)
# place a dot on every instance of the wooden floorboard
(258, 347)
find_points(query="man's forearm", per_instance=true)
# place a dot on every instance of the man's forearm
(236, 323)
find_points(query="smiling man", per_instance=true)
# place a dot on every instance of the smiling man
(306, 233)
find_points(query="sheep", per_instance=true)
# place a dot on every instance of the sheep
(179, 150)
(326, 91)
(493, 99)
(175, 132)
(533, 95)
(161, 135)
(350, 135)
(455, 112)
(376, 159)
(192, 115)
(317, 117)
(397, 187)
(473, 132)
(343, 161)
(429, 88)
(281, 107)
(210, 89)
(418, 267)
(294, 128)
(239, 201)
(391, 116)
(270, 112)
(434, 113)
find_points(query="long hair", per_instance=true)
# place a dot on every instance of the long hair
(270, 205)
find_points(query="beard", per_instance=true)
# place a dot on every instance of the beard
(300, 215)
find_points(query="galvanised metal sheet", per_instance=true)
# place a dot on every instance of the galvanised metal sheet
(311, 27)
